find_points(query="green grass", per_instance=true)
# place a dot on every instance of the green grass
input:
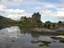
(61, 32)
(27, 23)
(6, 22)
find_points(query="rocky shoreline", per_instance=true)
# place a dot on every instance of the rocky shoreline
(49, 31)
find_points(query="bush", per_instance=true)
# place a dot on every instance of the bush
(60, 22)
(48, 22)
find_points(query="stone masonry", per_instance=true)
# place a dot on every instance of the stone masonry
(35, 18)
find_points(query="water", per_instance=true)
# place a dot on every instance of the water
(14, 37)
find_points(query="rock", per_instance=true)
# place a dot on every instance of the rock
(60, 29)
(0, 39)
(61, 36)
(43, 30)
(54, 41)
(46, 43)
(62, 41)
(13, 40)
(56, 38)
(41, 45)
(34, 42)
(19, 35)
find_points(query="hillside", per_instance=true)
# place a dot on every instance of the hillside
(5, 21)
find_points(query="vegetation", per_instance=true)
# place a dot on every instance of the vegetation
(8, 22)
(27, 23)
(5, 21)
(60, 22)
(48, 22)
(63, 22)
(38, 21)
(61, 32)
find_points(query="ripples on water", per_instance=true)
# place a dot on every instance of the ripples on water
(14, 37)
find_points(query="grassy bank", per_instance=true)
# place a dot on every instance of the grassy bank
(61, 32)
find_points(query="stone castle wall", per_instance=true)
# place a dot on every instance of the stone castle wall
(35, 17)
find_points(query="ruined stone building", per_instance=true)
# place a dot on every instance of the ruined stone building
(36, 17)
(24, 19)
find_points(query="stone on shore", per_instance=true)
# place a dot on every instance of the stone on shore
(43, 30)
(62, 41)
(60, 29)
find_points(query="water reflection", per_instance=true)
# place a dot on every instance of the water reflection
(14, 37)
(11, 32)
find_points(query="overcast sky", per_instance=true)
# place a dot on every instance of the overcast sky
(50, 10)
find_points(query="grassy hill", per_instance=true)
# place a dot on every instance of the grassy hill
(5, 21)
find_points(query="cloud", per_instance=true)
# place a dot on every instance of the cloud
(27, 3)
(46, 11)
(4, 0)
(20, 2)
(27, 6)
(14, 17)
(31, 4)
(13, 14)
(17, 11)
(3, 9)
(62, 3)
(17, 17)
(17, 0)
(58, 14)
(37, 7)
(60, 9)
(50, 6)
(11, 0)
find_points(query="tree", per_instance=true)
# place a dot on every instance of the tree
(48, 22)
(60, 22)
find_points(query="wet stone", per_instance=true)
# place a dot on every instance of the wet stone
(41, 45)
(62, 41)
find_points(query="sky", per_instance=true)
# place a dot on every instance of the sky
(50, 10)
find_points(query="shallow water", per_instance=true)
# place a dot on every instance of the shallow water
(14, 37)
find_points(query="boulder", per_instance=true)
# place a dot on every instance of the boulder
(60, 29)
(43, 30)
(62, 41)
(56, 38)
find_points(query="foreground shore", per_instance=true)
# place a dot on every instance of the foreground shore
(49, 31)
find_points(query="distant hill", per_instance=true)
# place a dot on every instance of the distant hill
(5, 21)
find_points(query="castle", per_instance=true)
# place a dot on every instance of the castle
(36, 17)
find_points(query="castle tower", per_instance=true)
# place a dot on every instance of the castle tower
(24, 19)
(36, 17)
